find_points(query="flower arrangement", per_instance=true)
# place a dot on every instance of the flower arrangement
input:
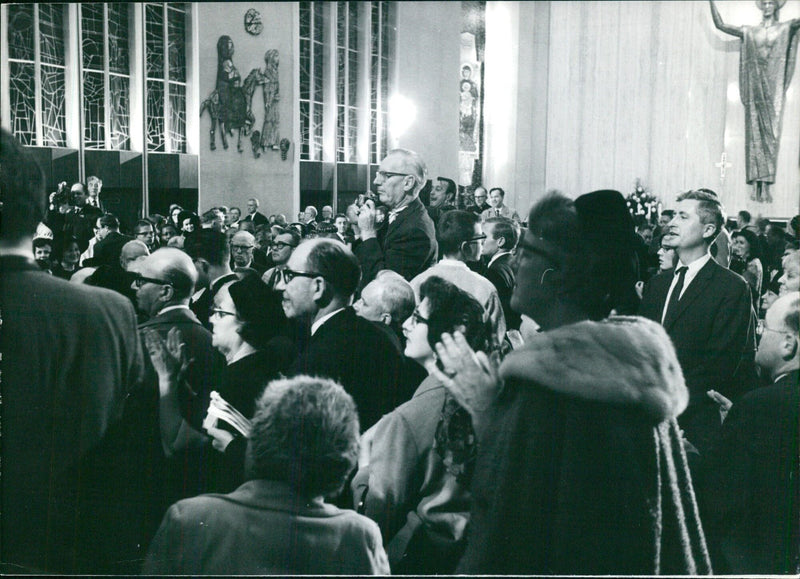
(643, 206)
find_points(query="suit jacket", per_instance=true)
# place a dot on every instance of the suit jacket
(360, 356)
(407, 245)
(257, 218)
(501, 274)
(205, 373)
(750, 489)
(713, 331)
(262, 528)
(71, 357)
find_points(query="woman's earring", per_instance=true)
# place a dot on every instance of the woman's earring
(544, 273)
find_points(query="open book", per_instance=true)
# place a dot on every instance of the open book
(220, 409)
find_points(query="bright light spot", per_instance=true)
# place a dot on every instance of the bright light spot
(733, 92)
(402, 114)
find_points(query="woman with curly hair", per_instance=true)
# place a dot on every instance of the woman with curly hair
(746, 260)
(303, 444)
(415, 484)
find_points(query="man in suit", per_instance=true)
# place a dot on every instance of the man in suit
(211, 255)
(751, 479)
(501, 239)
(164, 284)
(460, 238)
(497, 207)
(243, 252)
(253, 214)
(95, 185)
(479, 196)
(318, 285)
(408, 244)
(706, 310)
(71, 356)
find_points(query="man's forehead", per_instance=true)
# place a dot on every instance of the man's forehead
(394, 163)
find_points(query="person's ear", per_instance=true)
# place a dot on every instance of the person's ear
(789, 346)
(501, 242)
(710, 231)
(386, 318)
(320, 287)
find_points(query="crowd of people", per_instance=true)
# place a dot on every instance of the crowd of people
(404, 387)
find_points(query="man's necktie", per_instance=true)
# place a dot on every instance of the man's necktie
(497, 213)
(676, 293)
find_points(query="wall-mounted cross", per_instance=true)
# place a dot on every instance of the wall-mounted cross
(723, 166)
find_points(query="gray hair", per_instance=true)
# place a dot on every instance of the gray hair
(304, 433)
(416, 166)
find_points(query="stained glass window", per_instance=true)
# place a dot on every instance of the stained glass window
(166, 76)
(311, 80)
(37, 75)
(105, 43)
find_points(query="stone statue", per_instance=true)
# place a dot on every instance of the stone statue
(766, 65)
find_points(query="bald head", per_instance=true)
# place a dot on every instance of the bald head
(778, 350)
(173, 266)
(131, 252)
(387, 299)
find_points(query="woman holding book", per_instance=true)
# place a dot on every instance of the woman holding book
(245, 321)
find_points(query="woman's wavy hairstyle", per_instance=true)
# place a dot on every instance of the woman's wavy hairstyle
(450, 308)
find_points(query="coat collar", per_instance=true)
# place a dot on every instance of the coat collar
(171, 317)
(278, 496)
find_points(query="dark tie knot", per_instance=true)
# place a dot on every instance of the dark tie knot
(681, 271)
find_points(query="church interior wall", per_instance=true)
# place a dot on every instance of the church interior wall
(228, 176)
(632, 90)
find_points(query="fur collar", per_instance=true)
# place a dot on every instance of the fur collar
(622, 360)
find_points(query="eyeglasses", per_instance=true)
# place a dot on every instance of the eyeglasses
(289, 274)
(476, 238)
(761, 327)
(140, 280)
(221, 313)
(281, 244)
(416, 318)
(241, 247)
(384, 175)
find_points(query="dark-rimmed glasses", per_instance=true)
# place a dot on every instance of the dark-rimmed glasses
(416, 318)
(384, 175)
(281, 244)
(475, 239)
(221, 313)
(289, 274)
(140, 280)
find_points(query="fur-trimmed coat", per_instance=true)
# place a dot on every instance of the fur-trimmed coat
(581, 468)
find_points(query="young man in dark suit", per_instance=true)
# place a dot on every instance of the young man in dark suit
(706, 310)
(318, 285)
(501, 238)
(408, 244)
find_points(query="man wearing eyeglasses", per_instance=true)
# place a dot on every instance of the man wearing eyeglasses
(318, 285)
(243, 246)
(461, 239)
(408, 244)
(749, 491)
(281, 250)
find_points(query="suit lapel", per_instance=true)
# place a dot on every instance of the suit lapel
(695, 290)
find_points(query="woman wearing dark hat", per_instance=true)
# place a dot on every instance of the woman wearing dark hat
(246, 320)
(581, 467)
(746, 260)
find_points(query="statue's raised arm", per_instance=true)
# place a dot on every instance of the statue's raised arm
(727, 29)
